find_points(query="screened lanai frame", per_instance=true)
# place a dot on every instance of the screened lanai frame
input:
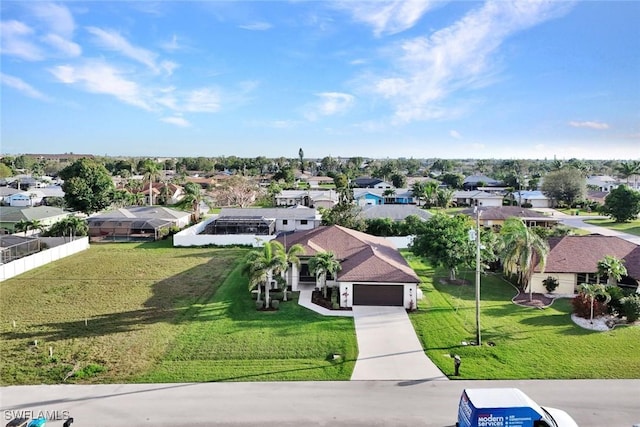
(241, 225)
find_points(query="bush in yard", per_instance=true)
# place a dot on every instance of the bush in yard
(259, 304)
(631, 307)
(582, 307)
(615, 305)
(550, 283)
(275, 304)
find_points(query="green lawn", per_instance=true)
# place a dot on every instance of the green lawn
(529, 343)
(158, 313)
(631, 227)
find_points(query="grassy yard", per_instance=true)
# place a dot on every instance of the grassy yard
(631, 227)
(158, 313)
(528, 343)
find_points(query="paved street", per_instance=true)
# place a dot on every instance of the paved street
(610, 403)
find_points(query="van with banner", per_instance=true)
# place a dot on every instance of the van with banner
(507, 407)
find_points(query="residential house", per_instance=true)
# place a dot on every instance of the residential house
(6, 193)
(319, 181)
(534, 199)
(494, 217)
(366, 182)
(135, 223)
(265, 221)
(372, 272)
(47, 215)
(602, 182)
(378, 196)
(162, 193)
(477, 198)
(472, 182)
(308, 198)
(573, 260)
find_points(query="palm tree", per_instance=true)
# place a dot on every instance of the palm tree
(628, 169)
(611, 267)
(418, 190)
(321, 265)
(34, 224)
(444, 197)
(263, 264)
(430, 193)
(74, 226)
(22, 225)
(292, 259)
(593, 290)
(151, 172)
(521, 249)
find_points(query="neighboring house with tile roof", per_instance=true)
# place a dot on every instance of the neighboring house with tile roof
(373, 272)
(573, 260)
(394, 212)
(495, 216)
(47, 215)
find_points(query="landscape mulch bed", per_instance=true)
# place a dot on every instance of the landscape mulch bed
(537, 300)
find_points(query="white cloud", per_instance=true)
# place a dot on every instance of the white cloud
(176, 120)
(56, 16)
(455, 134)
(100, 77)
(21, 86)
(112, 40)
(256, 26)
(459, 57)
(204, 100)
(63, 45)
(16, 41)
(388, 17)
(330, 103)
(589, 125)
(172, 45)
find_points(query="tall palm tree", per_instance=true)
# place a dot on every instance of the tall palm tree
(522, 249)
(628, 169)
(292, 259)
(611, 267)
(592, 291)
(263, 264)
(34, 224)
(151, 172)
(321, 265)
(418, 191)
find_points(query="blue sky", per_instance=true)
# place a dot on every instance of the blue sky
(421, 79)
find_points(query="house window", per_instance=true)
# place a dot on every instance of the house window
(303, 221)
(590, 278)
(285, 222)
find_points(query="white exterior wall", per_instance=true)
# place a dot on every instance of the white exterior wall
(294, 225)
(539, 203)
(410, 293)
(39, 259)
(490, 202)
(566, 283)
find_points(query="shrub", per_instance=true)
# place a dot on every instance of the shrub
(582, 307)
(527, 205)
(631, 307)
(275, 304)
(615, 305)
(259, 304)
(550, 283)
(335, 306)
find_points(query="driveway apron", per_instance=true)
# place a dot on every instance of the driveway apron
(389, 348)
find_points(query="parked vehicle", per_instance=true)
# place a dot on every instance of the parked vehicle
(507, 407)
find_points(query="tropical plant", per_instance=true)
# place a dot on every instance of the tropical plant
(550, 283)
(522, 251)
(628, 169)
(611, 267)
(262, 264)
(34, 224)
(292, 258)
(591, 291)
(444, 197)
(418, 190)
(323, 264)
(151, 171)
(22, 225)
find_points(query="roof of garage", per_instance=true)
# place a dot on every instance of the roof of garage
(363, 257)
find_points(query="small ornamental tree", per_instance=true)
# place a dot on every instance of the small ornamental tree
(622, 204)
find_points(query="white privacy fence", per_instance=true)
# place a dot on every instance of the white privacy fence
(38, 259)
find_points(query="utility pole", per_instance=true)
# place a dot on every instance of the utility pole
(478, 338)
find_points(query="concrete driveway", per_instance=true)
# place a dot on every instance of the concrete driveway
(388, 348)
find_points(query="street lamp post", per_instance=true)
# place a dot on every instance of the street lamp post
(478, 338)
